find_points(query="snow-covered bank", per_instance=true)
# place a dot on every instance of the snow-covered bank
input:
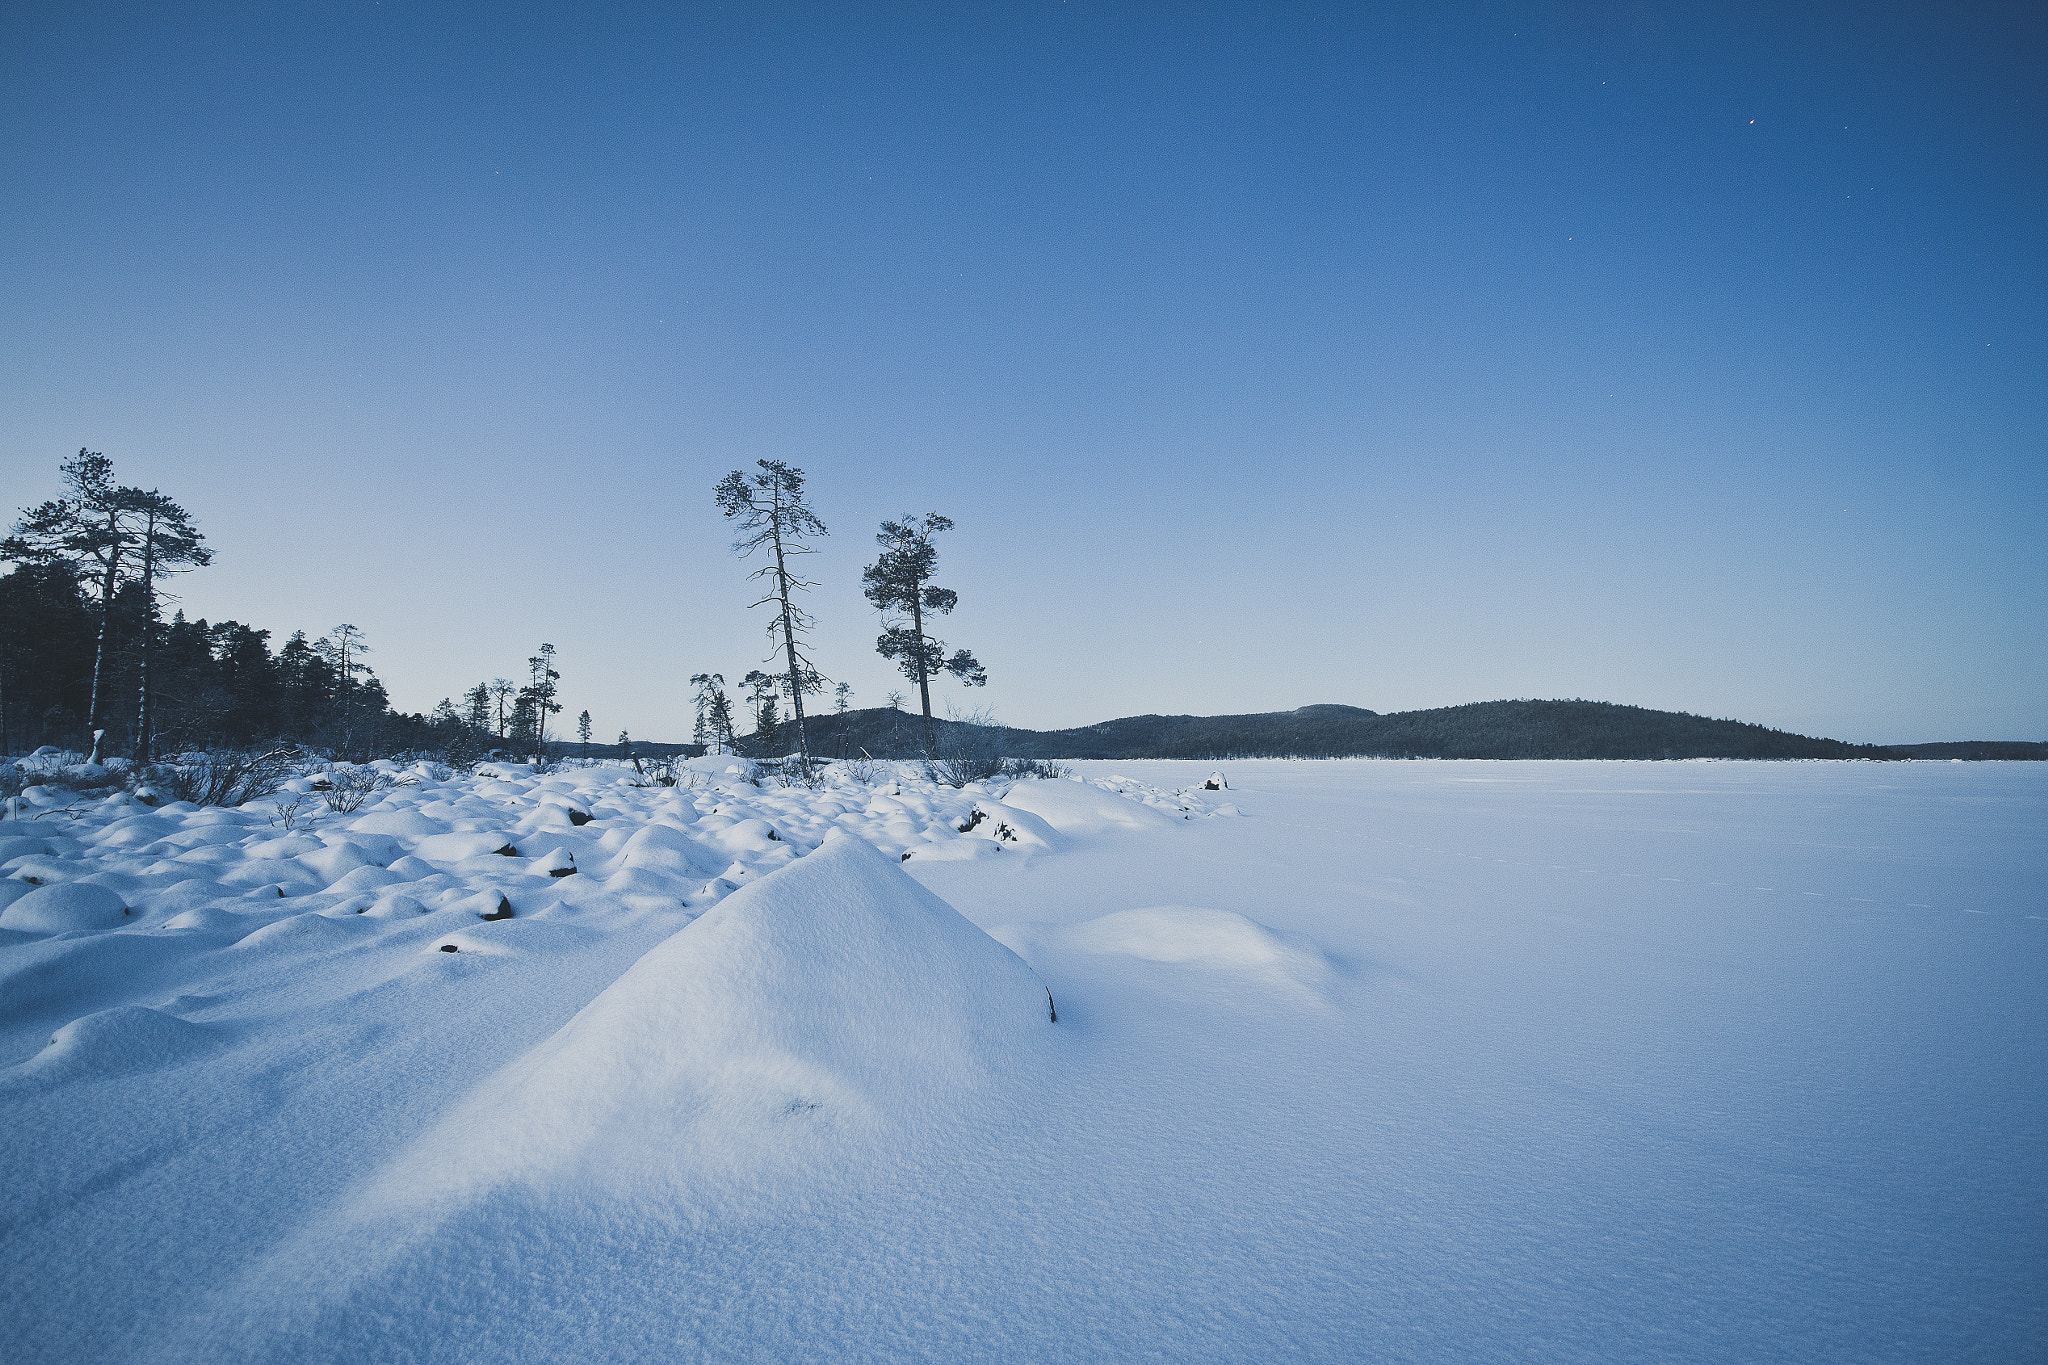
(1420, 1061)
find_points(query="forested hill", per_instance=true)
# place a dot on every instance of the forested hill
(1494, 729)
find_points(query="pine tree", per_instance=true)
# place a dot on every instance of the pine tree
(94, 529)
(772, 513)
(168, 543)
(713, 729)
(46, 646)
(538, 697)
(502, 692)
(583, 734)
(900, 581)
(476, 711)
(767, 722)
(356, 699)
(720, 724)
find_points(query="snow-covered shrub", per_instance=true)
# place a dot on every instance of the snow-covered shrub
(863, 770)
(350, 788)
(224, 778)
(1036, 767)
(465, 749)
(49, 759)
(794, 772)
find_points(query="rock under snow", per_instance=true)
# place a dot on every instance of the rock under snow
(65, 907)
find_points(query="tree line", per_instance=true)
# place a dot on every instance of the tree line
(88, 660)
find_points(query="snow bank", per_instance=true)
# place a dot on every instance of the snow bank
(1185, 934)
(820, 1005)
(1081, 808)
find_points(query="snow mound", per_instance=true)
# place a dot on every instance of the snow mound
(21, 846)
(455, 848)
(403, 824)
(63, 908)
(1216, 939)
(1082, 808)
(125, 1038)
(1011, 827)
(810, 1009)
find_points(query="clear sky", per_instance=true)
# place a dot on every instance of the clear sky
(1690, 356)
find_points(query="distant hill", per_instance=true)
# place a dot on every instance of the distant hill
(1493, 729)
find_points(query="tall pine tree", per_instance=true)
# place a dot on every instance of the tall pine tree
(772, 514)
(900, 582)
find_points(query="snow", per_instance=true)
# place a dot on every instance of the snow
(1377, 1060)
(64, 907)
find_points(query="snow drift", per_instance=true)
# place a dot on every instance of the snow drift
(782, 1042)
(835, 997)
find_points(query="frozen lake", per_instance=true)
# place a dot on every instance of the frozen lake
(1703, 1061)
(1415, 1061)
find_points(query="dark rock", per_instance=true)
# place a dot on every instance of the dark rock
(447, 947)
(504, 911)
(579, 818)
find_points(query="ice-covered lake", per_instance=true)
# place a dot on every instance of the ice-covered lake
(1409, 1061)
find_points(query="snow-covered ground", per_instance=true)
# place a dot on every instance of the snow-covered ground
(1356, 1060)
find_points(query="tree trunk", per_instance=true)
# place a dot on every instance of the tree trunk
(796, 682)
(924, 684)
(143, 737)
(99, 649)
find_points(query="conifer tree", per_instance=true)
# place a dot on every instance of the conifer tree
(900, 581)
(713, 729)
(583, 734)
(343, 649)
(720, 726)
(502, 692)
(538, 697)
(771, 512)
(168, 543)
(92, 528)
(476, 708)
(767, 721)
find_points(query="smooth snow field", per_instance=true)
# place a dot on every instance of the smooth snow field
(1354, 1061)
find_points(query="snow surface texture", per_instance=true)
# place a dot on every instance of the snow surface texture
(1421, 1061)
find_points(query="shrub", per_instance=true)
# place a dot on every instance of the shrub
(349, 789)
(221, 779)
(1035, 767)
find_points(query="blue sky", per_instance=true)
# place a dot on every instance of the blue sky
(1686, 356)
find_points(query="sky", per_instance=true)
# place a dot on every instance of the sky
(1687, 356)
